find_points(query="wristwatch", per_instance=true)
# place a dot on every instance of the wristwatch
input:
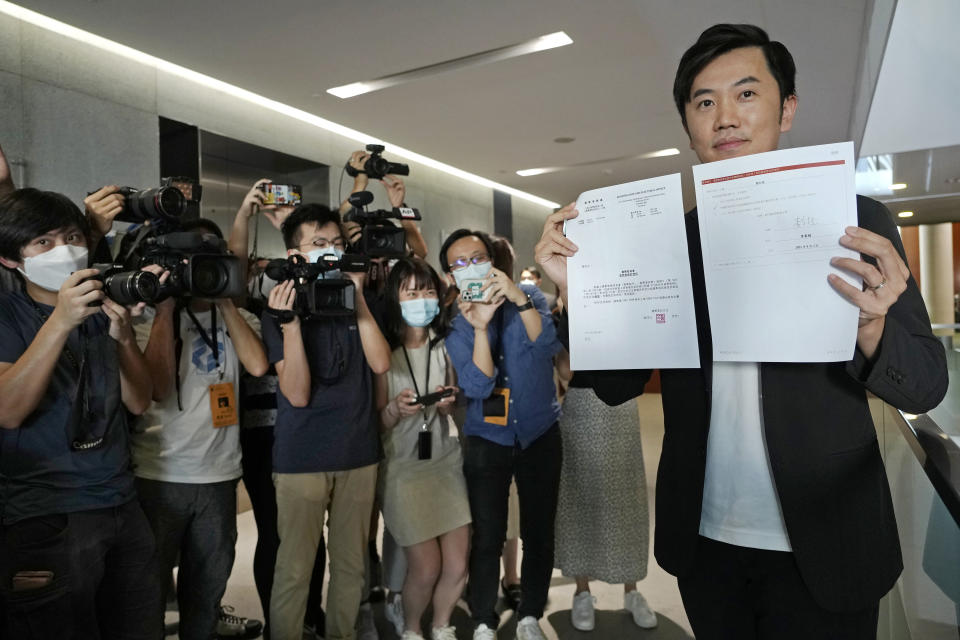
(526, 305)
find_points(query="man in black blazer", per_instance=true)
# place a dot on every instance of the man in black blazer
(773, 508)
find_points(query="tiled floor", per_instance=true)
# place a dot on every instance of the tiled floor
(613, 623)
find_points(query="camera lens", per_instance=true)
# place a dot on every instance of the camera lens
(131, 287)
(209, 277)
(164, 204)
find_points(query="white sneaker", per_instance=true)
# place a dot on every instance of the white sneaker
(393, 611)
(643, 615)
(366, 629)
(411, 635)
(483, 632)
(444, 633)
(582, 614)
(529, 629)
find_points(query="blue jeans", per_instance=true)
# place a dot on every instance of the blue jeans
(198, 522)
(84, 575)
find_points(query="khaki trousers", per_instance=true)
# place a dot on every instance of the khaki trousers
(302, 503)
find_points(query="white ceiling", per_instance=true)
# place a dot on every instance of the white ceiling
(611, 89)
(915, 102)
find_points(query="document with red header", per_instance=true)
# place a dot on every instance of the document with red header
(769, 225)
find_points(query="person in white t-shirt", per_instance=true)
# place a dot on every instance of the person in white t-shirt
(186, 447)
(773, 508)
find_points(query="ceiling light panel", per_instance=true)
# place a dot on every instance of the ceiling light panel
(661, 153)
(549, 41)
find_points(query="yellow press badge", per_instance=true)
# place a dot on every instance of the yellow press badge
(496, 408)
(223, 404)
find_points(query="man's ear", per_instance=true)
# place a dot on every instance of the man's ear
(789, 110)
(10, 264)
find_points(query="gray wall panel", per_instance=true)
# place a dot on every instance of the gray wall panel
(75, 143)
(69, 64)
(9, 44)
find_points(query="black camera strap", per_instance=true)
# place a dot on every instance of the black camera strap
(426, 381)
(178, 341)
(81, 411)
(211, 338)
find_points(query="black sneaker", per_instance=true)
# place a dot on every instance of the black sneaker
(234, 627)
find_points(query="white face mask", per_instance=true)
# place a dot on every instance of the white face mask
(472, 272)
(529, 282)
(49, 269)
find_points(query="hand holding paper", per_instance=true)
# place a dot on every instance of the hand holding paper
(630, 294)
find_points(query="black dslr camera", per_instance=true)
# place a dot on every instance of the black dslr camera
(379, 238)
(198, 263)
(318, 295)
(376, 166)
(161, 206)
(126, 287)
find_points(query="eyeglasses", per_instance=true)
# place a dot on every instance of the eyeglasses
(461, 263)
(323, 243)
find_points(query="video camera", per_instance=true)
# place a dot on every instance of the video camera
(379, 238)
(318, 295)
(376, 166)
(198, 263)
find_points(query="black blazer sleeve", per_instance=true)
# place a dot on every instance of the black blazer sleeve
(909, 371)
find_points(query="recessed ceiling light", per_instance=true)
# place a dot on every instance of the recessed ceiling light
(905, 214)
(549, 41)
(897, 186)
(526, 173)
(563, 140)
(643, 156)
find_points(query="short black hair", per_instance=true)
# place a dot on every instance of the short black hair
(424, 278)
(504, 256)
(26, 214)
(311, 212)
(203, 225)
(457, 235)
(723, 38)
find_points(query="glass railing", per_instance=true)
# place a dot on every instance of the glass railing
(922, 456)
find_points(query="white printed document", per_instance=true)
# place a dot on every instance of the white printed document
(630, 297)
(769, 224)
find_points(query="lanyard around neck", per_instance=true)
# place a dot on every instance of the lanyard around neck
(426, 381)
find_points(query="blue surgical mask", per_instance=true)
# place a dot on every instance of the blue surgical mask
(419, 312)
(472, 272)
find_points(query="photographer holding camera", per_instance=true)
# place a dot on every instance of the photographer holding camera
(186, 448)
(502, 346)
(396, 192)
(76, 549)
(258, 418)
(326, 445)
